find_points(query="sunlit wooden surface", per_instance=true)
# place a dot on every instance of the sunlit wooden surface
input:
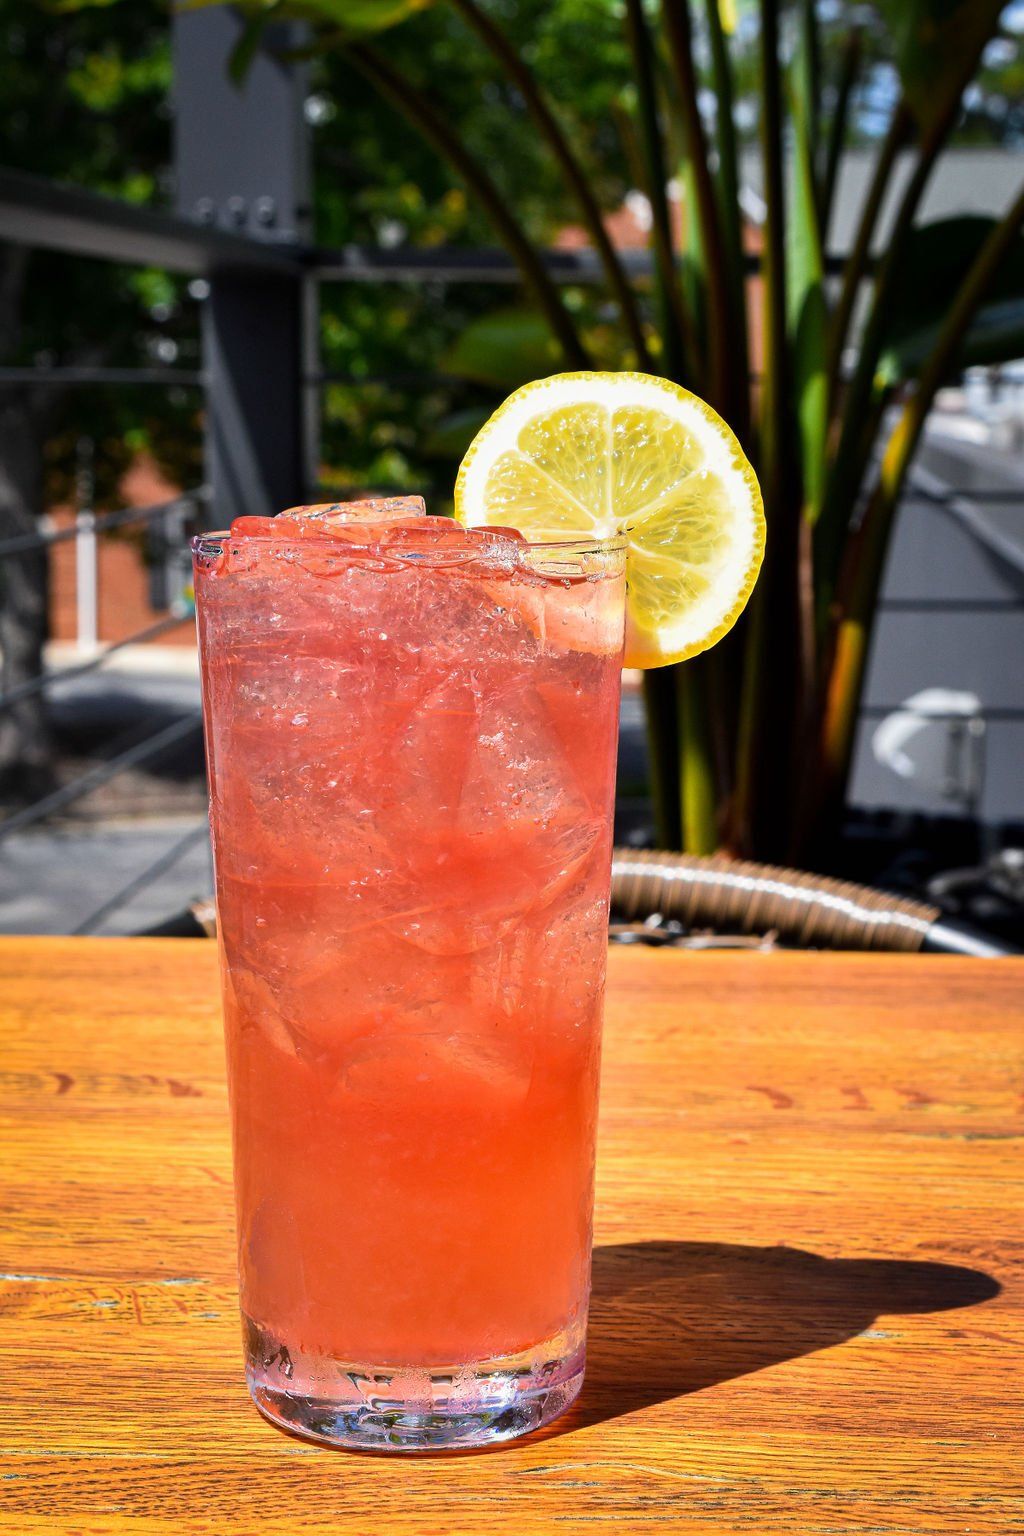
(808, 1290)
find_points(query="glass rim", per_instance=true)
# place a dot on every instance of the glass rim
(608, 544)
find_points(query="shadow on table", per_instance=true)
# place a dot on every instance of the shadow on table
(670, 1318)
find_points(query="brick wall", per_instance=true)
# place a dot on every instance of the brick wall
(122, 574)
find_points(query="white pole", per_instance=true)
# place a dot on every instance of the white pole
(86, 553)
(85, 580)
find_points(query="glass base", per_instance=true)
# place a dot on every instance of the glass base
(399, 1408)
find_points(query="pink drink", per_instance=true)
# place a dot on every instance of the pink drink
(411, 736)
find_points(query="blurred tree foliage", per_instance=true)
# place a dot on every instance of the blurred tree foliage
(85, 99)
(378, 182)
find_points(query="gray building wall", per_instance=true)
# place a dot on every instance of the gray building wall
(952, 617)
(966, 180)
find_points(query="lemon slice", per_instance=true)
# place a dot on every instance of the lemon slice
(595, 454)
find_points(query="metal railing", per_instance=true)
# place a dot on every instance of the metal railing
(36, 685)
(129, 751)
(129, 757)
(260, 447)
(261, 388)
(133, 748)
(102, 523)
(147, 876)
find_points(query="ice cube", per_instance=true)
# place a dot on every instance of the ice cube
(439, 539)
(432, 758)
(365, 510)
(279, 527)
(489, 819)
(329, 517)
(563, 615)
(254, 1004)
(440, 1070)
(522, 794)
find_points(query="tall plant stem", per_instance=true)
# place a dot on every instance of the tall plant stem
(865, 557)
(849, 69)
(629, 141)
(855, 270)
(698, 790)
(775, 401)
(661, 710)
(740, 833)
(773, 661)
(850, 464)
(415, 105)
(810, 63)
(511, 61)
(731, 213)
(675, 329)
(721, 345)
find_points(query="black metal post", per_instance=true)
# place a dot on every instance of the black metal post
(253, 356)
(242, 164)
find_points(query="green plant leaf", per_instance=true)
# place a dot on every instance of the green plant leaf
(361, 16)
(692, 260)
(937, 259)
(68, 6)
(505, 348)
(805, 296)
(247, 47)
(185, 6)
(726, 173)
(938, 44)
(996, 335)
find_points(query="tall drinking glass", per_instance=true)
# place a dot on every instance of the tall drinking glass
(411, 735)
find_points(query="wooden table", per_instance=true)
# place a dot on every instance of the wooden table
(807, 1309)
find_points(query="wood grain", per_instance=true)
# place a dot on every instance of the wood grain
(808, 1302)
